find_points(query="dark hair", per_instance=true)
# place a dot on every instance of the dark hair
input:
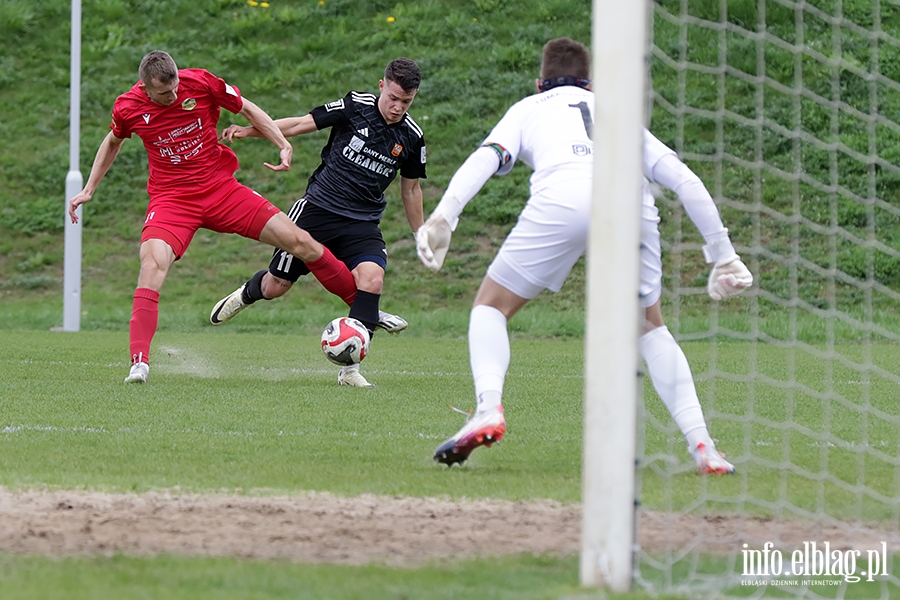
(404, 72)
(564, 57)
(158, 66)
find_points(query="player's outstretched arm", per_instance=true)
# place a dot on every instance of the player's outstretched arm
(238, 132)
(289, 126)
(106, 155)
(266, 127)
(729, 275)
(433, 238)
(411, 195)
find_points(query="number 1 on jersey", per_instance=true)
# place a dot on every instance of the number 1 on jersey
(586, 117)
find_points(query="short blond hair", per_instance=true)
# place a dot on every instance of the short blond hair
(158, 66)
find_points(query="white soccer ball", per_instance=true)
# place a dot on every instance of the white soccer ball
(345, 341)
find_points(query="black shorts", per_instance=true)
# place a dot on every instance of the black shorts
(351, 241)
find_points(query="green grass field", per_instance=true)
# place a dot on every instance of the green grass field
(798, 378)
(261, 413)
(250, 408)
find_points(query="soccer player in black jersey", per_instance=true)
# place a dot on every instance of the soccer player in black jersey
(372, 140)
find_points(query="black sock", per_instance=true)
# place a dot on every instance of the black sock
(253, 289)
(365, 309)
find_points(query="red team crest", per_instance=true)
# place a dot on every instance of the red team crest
(397, 150)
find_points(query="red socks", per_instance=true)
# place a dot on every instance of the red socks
(144, 319)
(334, 276)
(331, 273)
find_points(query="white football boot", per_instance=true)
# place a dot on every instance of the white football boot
(391, 323)
(710, 461)
(352, 377)
(481, 429)
(228, 306)
(140, 372)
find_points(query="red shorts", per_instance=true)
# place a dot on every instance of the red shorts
(229, 207)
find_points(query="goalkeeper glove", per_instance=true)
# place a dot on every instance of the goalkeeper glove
(729, 276)
(432, 242)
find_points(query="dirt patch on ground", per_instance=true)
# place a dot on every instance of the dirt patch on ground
(319, 528)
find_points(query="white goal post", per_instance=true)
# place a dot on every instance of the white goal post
(74, 183)
(612, 324)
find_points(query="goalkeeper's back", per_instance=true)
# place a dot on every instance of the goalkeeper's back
(551, 133)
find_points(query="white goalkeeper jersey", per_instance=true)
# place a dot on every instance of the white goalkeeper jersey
(551, 133)
(662, 166)
(654, 151)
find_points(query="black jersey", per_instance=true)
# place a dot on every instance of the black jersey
(363, 156)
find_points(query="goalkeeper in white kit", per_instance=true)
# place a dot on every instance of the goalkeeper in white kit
(551, 132)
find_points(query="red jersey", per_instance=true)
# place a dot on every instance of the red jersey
(181, 139)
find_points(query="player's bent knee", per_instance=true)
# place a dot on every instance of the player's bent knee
(369, 277)
(370, 284)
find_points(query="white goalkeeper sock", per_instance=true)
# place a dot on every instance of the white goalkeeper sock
(673, 381)
(488, 354)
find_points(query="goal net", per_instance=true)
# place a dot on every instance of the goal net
(790, 113)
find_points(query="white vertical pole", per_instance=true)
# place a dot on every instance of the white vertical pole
(74, 183)
(611, 355)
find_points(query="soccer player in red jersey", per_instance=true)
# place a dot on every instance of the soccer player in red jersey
(192, 185)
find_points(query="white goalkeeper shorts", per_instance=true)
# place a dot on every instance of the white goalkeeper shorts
(549, 237)
(651, 258)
